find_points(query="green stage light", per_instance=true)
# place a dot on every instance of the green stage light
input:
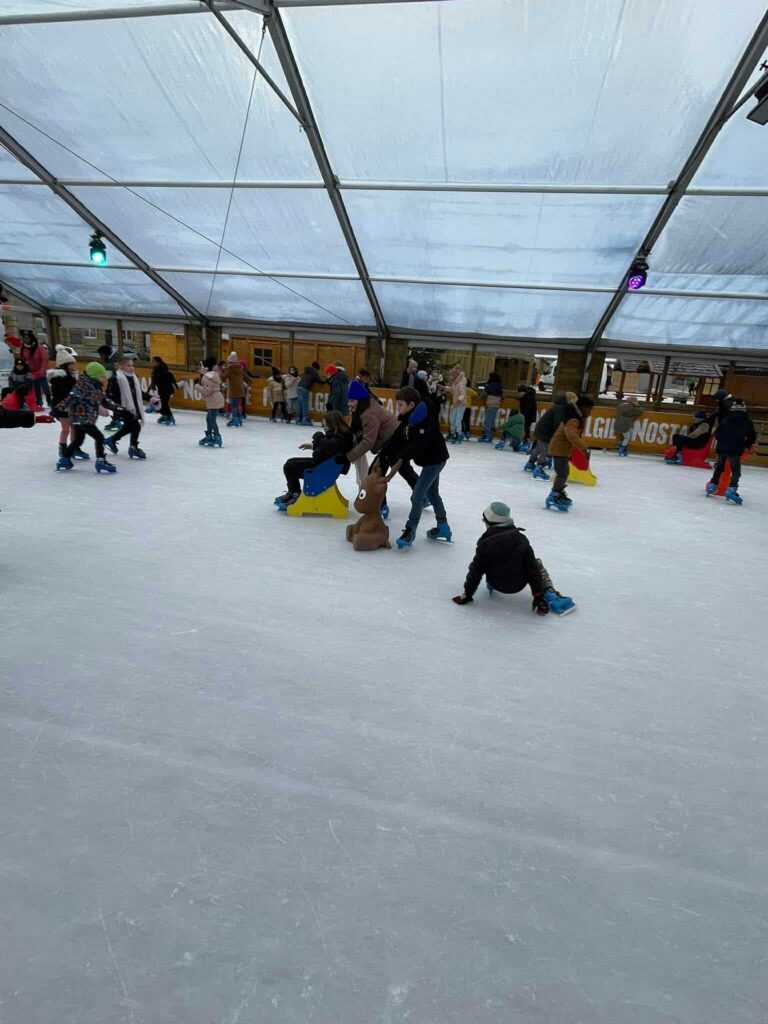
(98, 249)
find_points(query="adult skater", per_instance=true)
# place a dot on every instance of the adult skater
(165, 383)
(505, 557)
(458, 390)
(82, 405)
(565, 439)
(419, 439)
(408, 379)
(526, 396)
(131, 399)
(338, 383)
(309, 378)
(275, 387)
(494, 393)
(234, 376)
(627, 412)
(291, 385)
(697, 437)
(210, 385)
(734, 435)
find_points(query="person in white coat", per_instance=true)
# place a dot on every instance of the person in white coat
(131, 397)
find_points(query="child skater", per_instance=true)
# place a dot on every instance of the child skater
(627, 412)
(276, 387)
(565, 439)
(419, 439)
(505, 557)
(82, 405)
(291, 384)
(61, 381)
(337, 440)
(512, 430)
(210, 385)
(735, 433)
(21, 386)
(131, 398)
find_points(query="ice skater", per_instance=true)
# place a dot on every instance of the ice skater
(512, 430)
(82, 405)
(458, 390)
(735, 434)
(697, 438)
(132, 399)
(164, 383)
(419, 439)
(61, 381)
(626, 414)
(210, 386)
(565, 439)
(334, 440)
(539, 459)
(505, 557)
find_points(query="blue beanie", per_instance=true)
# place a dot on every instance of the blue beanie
(358, 391)
(700, 415)
(721, 394)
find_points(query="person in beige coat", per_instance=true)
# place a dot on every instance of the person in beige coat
(458, 389)
(234, 375)
(210, 385)
(275, 388)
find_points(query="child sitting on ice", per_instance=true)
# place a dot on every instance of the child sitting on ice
(512, 431)
(505, 557)
(337, 440)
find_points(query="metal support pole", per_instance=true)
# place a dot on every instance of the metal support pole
(290, 68)
(729, 102)
(25, 157)
(662, 382)
(149, 10)
(119, 345)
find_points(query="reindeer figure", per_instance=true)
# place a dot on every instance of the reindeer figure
(371, 532)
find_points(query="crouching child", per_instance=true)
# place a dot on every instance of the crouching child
(505, 557)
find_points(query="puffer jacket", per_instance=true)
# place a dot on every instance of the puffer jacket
(291, 382)
(418, 439)
(568, 435)
(458, 386)
(309, 378)
(378, 426)
(526, 395)
(36, 359)
(234, 375)
(626, 414)
(505, 557)
(61, 382)
(210, 385)
(84, 400)
(514, 426)
(339, 385)
(494, 393)
(276, 389)
(735, 434)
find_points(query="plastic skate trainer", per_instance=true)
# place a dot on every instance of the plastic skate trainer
(321, 495)
(579, 471)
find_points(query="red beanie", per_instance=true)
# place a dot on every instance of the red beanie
(330, 370)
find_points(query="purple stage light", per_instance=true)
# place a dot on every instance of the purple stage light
(638, 275)
(636, 282)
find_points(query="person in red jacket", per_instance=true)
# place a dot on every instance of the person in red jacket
(36, 357)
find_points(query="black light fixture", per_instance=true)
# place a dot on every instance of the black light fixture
(638, 274)
(98, 249)
(760, 113)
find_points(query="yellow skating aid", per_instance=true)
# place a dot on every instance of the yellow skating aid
(579, 471)
(330, 502)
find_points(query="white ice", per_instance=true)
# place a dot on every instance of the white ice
(252, 777)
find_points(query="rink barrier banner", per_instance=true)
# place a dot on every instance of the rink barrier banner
(652, 432)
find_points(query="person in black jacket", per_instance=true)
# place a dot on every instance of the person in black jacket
(733, 436)
(165, 382)
(337, 440)
(545, 431)
(526, 395)
(307, 381)
(61, 381)
(505, 557)
(419, 439)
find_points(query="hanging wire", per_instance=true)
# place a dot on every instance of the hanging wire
(201, 234)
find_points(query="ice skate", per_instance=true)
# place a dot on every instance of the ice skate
(525, 447)
(385, 511)
(134, 452)
(440, 532)
(64, 463)
(102, 466)
(539, 474)
(675, 460)
(81, 455)
(216, 442)
(733, 496)
(499, 446)
(160, 419)
(529, 467)
(555, 501)
(406, 538)
(290, 499)
(490, 590)
(114, 425)
(711, 487)
(205, 441)
(623, 450)
(558, 603)
(111, 443)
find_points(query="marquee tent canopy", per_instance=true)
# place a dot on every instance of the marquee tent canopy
(468, 168)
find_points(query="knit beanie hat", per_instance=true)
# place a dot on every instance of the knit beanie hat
(422, 374)
(357, 391)
(700, 415)
(330, 370)
(232, 357)
(720, 394)
(64, 355)
(95, 371)
(498, 514)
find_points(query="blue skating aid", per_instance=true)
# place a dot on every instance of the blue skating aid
(440, 532)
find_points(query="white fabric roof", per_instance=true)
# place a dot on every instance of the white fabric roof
(500, 163)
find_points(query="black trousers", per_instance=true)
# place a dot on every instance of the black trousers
(681, 441)
(132, 427)
(466, 420)
(735, 462)
(165, 403)
(80, 431)
(281, 406)
(294, 470)
(562, 469)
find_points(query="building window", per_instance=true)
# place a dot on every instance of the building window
(128, 337)
(90, 334)
(262, 357)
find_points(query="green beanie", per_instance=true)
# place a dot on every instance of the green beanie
(95, 370)
(498, 514)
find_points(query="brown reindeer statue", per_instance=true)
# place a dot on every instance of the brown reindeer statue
(370, 531)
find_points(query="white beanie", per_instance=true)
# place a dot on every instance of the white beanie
(65, 355)
(498, 514)
(232, 357)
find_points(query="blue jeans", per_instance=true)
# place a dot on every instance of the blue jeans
(457, 415)
(303, 404)
(490, 420)
(427, 486)
(211, 426)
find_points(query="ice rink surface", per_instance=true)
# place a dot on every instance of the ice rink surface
(250, 776)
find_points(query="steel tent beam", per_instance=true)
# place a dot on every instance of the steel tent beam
(295, 83)
(13, 290)
(25, 157)
(148, 10)
(727, 104)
